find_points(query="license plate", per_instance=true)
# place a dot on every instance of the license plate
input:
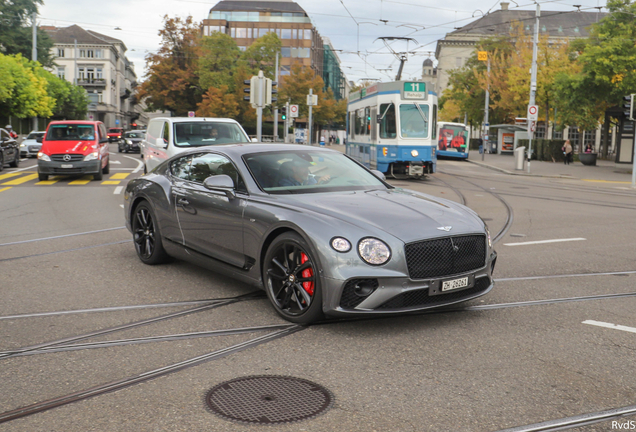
(66, 166)
(455, 284)
(416, 169)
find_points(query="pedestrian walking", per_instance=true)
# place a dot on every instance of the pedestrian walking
(567, 152)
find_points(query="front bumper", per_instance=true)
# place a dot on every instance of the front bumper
(69, 168)
(29, 151)
(392, 295)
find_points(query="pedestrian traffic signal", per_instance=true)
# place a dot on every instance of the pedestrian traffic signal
(628, 106)
(283, 113)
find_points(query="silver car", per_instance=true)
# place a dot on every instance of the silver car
(31, 145)
(320, 233)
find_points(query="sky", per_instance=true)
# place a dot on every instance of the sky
(353, 26)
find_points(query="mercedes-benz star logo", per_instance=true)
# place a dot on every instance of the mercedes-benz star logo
(66, 157)
(446, 228)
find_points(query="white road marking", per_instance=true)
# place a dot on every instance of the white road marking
(139, 166)
(115, 162)
(610, 326)
(118, 190)
(544, 241)
(121, 205)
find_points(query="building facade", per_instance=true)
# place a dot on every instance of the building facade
(98, 63)
(247, 20)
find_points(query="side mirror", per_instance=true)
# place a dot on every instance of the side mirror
(379, 174)
(39, 139)
(220, 183)
(161, 143)
(103, 141)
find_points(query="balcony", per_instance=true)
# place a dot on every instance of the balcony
(93, 83)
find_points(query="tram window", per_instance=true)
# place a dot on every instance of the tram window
(360, 122)
(352, 124)
(413, 124)
(367, 120)
(387, 122)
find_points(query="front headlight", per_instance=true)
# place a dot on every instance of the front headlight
(44, 157)
(374, 251)
(91, 156)
(129, 142)
(23, 145)
(488, 235)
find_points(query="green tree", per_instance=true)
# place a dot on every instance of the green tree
(24, 88)
(261, 55)
(218, 61)
(16, 33)
(172, 79)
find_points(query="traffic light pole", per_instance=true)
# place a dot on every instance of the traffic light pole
(533, 78)
(286, 121)
(311, 91)
(276, 109)
(259, 106)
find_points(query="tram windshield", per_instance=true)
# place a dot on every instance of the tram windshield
(414, 120)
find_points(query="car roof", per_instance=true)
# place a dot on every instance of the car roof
(79, 122)
(238, 150)
(194, 119)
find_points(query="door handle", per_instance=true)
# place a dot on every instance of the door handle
(183, 201)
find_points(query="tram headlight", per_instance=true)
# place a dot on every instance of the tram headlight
(415, 153)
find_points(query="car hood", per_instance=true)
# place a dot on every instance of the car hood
(135, 140)
(31, 142)
(406, 215)
(59, 147)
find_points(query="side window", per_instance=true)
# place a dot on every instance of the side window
(434, 127)
(166, 133)
(205, 165)
(367, 120)
(102, 132)
(387, 121)
(181, 167)
(154, 131)
(4, 134)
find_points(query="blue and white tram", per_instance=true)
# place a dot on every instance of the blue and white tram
(453, 141)
(392, 127)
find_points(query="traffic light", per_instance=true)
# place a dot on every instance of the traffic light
(283, 113)
(628, 106)
(249, 98)
(270, 91)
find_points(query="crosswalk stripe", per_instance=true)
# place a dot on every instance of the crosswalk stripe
(46, 182)
(119, 176)
(110, 182)
(20, 180)
(4, 189)
(84, 180)
(8, 175)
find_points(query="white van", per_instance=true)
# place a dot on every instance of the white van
(168, 136)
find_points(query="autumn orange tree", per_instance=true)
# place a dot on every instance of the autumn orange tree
(172, 79)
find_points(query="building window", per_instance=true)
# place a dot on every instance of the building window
(540, 132)
(249, 33)
(285, 51)
(285, 70)
(286, 34)
(307, 34)
(573, 136)
(242, 48)
(60, 52)
(87, 53)
(233, 32)
(294, 33)
(589, 138)
(81, 73)
(241, 33)
(262, 32)
(99, 73)
(98, 53)
(61, 72)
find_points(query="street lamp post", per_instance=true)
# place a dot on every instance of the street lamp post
(533, 79)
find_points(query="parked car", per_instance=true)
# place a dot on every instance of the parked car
(31, 145)
(9, 150)
(168, 136)
(131, 141)
(74, 147)
(115, 134)
(319, 232)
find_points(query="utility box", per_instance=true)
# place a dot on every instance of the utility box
(520, 153)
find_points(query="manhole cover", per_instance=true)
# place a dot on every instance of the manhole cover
(268, 399)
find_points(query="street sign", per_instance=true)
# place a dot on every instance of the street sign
(482, 55)
(533, 112)
(532, 127)
(190, 113)
(117, 122)
(414, 90)
(312, 100)
(293, 110)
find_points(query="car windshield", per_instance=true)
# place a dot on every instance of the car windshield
(134, 135)
(69, 132)
(35, 135)
(303, 171)
(194, 134)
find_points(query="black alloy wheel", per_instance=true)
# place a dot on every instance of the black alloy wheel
(291, 279)
(146, 236)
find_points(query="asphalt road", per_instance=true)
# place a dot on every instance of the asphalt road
(530, 351)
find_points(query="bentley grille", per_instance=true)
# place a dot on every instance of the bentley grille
(445, 256)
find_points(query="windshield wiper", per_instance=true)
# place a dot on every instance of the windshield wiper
(421, 112)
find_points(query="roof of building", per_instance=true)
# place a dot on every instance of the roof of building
(68, 35)
(257, 6)
(556, 24)
(428, 62)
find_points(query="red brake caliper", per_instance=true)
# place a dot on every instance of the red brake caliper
(308, 272)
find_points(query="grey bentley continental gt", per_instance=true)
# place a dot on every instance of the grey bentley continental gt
(320, 233)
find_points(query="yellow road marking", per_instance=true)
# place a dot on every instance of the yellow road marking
(4, 189)
(84, 180)
(21, 180)
(46, 182)
(9, 175)
(108, 182)
(119, 176)
(607, 181)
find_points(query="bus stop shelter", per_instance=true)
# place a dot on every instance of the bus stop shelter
(508, 137)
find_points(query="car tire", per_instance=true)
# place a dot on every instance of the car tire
(146, 235)
(119, 149)
(145, 169)
(43, 177)
(16, 161)
(1, 161)
(99, 175)
(293, 286)
(106, 169)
